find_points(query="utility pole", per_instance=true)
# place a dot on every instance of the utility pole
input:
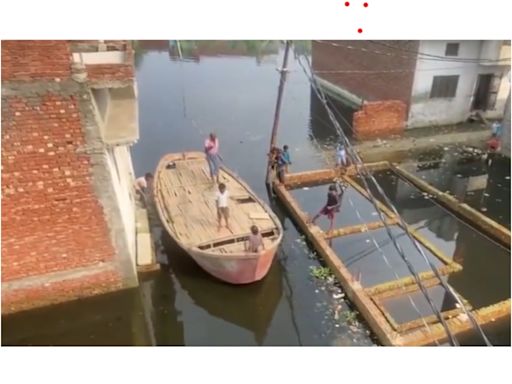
(282, 80)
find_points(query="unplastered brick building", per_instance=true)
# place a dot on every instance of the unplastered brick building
(69, 117)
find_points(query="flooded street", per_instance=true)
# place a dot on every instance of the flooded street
(232, 91)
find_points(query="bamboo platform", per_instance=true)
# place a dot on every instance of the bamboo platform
(370, 301)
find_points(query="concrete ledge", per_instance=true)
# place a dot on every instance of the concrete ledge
(145, 249)
(340, 94)
(40, 291)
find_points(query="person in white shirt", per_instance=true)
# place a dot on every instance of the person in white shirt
(221, 200)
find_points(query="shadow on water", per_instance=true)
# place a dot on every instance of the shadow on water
(112, 319)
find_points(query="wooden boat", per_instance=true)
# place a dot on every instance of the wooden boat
(185, 200)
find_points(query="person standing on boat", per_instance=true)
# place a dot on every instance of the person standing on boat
(211, 148)
(332, 206)
(221, 200)
(254, 241)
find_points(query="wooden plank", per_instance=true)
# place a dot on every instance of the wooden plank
(458, 324)
(258, 216)
(377, 294)
(409, 280)
(355, 292)
(475, 218)
(350, 230)
(407, 290)
(323, 176)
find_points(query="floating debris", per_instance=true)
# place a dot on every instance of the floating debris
(305, 189)
(337, 296)
(321, 273)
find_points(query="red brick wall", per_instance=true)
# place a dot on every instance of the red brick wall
(380, 119)
(31, 59)
(109, 72)
(52, 220)
(361, 56)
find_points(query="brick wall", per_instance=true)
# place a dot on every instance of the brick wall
(50, 215)
(380, 119)
(52, 220)
(108, 72)
(34, 59)
(360, 56)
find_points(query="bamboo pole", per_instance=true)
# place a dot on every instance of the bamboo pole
(273, 137)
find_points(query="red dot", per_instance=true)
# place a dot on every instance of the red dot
(347, 3)
(360, 30)
(365, 5)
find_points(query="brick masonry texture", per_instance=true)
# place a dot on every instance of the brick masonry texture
(376, 86)
(51, 218)
(380, 119)
(29, 60)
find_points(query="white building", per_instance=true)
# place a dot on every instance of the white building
(455, 79)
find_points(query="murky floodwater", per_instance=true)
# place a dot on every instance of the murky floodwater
(227, 89)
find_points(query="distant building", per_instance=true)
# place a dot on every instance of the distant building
(69, 117)
(427, 82)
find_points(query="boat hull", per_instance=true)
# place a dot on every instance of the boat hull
(236, 269)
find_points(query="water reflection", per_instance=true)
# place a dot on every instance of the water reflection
(255, 303)
(468, 177)
(485, 278)
(322, 130)
(163, 317)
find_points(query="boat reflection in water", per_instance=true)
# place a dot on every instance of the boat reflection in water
(256, 303)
